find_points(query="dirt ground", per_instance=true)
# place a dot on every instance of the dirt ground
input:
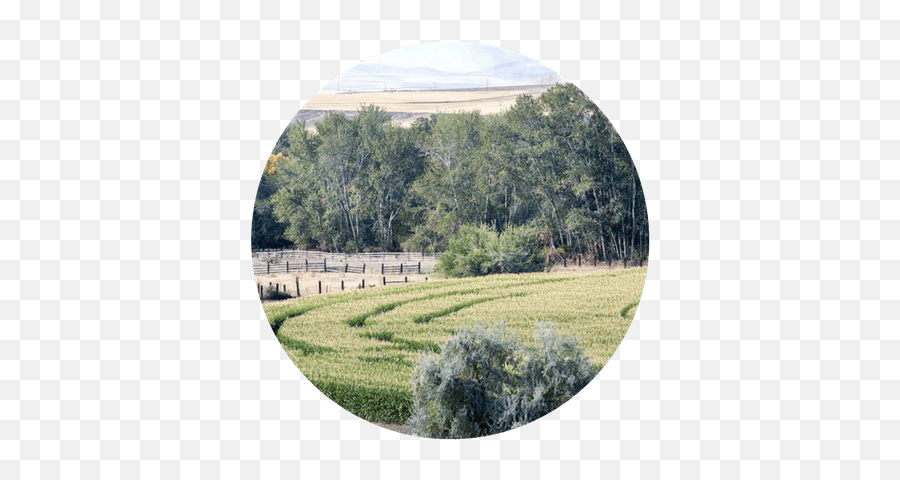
(297, 259)
(587, 267)
(331, 282)
(397, 428)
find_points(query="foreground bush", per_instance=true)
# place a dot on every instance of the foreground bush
(479, 250)
(487, 381)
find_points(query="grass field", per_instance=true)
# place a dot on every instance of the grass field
(360, 347)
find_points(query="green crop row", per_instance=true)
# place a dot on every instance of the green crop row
(459, 306)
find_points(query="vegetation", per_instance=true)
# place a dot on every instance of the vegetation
(268, 231)
(552, 166)
(360, 348)
(272, 293)
(479, 250)
(487, 381)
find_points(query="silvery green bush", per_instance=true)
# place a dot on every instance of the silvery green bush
(486, 381)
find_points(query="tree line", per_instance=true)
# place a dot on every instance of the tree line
(553, 164)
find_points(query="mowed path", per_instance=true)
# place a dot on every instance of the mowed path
(372, 340)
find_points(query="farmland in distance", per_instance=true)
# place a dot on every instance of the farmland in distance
(361, 347)
(404, 107)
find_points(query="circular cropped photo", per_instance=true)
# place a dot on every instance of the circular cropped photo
(450, 240)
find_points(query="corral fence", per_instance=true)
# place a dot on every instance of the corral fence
(394, 263)
(383, 263)
(324, 267)
(372, 257)
(287, 290)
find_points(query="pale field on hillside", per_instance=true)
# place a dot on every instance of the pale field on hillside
(423, 103)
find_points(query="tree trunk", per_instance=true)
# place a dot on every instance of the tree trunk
(633, 200)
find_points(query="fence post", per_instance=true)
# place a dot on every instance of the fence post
(405, 280)
(382, 269)
(306, 261)
(420, 268)
(320, 286)
(595, 260)
(346, 266)
(324, 264)
(564, 261)
(288, 266)
(383, 281)
(401, 267)
(297, 279)
(268, 268)
(364, 269)
(364, 284)
(342, 285)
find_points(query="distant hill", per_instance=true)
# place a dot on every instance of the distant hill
(405, 106)
(312, 117)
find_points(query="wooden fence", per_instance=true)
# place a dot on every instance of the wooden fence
(283, 290)
(324, 267)
(369, 256)
(401, 269)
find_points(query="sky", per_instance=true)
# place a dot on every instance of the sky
(444, 65)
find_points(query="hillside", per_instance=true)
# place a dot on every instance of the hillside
(405, 106)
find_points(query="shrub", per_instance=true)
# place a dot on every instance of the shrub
(271, 293)
(478, 250)
(470, 252)
(518, 250)
(554, 370)
(424, 238)
(486, 381)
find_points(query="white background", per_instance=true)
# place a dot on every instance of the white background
(133, 136)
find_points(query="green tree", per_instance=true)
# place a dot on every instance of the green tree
(266, 231)
(553, 164)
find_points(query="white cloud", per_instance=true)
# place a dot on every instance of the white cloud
(443, 65)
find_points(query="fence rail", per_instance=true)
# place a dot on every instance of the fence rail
(286, 261)
(262, 254)
(324, 267)
(282, 291)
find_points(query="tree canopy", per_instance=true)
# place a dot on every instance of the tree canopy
(553, 163)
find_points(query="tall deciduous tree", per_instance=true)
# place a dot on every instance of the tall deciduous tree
(553, 163)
